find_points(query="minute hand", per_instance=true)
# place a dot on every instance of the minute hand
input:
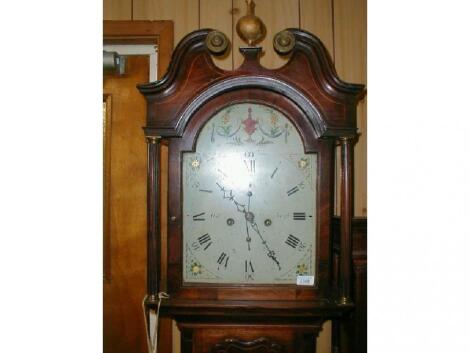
(270, 253)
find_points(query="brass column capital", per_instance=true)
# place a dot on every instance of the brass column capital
(344, 301)
(152, 139)
(344, 139)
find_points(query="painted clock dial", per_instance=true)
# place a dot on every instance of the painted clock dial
(249, 200)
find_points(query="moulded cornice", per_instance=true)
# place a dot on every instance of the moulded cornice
(331, 83)
(309, 79)
(193, 42)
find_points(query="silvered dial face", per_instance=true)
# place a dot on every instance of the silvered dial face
(249, 200)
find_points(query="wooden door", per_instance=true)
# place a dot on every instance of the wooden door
(125, 241)
(125, 231)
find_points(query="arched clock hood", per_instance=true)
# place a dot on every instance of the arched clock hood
(309, 79)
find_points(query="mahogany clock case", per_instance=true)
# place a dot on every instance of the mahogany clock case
(320, 106)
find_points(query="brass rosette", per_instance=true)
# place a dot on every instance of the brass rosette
(217, 42)
(284, 42)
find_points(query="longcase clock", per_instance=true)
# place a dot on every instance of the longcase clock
(251, 189)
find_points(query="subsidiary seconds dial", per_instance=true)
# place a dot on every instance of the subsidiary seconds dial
(249, 200)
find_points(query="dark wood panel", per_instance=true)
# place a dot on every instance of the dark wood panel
(250, 338)
(352, 336)
(359, 236)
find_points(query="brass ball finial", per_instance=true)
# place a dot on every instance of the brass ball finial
(250, 28)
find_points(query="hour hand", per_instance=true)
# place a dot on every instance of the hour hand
(228, 194)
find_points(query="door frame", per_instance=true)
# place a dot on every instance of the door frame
(161, 34)
(158, 33)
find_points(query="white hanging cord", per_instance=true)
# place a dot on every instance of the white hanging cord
(152, 342)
